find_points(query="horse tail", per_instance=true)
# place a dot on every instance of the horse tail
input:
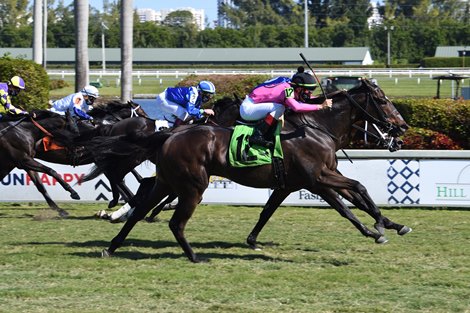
(94, 173)
(116, 156)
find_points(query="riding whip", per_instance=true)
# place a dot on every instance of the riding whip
(314, 75)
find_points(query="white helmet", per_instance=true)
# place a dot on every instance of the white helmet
(90, 91)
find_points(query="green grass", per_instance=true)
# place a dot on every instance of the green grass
(313, 261)
(399, 86)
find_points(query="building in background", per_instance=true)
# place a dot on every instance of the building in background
(222, 20)
(375, 19)
(158, 16)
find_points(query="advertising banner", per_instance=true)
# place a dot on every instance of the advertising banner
(397, 182)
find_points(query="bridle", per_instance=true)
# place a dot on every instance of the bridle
(381, 124)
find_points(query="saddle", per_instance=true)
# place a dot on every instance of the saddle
(241, 154)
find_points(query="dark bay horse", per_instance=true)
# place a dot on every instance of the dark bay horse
(226, 113)
(111, 119)
(186, 159)
(26, 138)
(17, 149)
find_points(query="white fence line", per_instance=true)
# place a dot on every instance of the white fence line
(431, 72)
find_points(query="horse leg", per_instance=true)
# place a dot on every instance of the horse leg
(157, 194)
(29, 164)
(40, 187)
(160, 207)
(361, 199)
(183, 212)
(364, 202)
(332, 198)
(334, 179)
(274, 201)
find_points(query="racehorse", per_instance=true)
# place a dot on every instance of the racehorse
(17, 143)
(21, 141)
(111, 118)
(186, 159)
(226, 114)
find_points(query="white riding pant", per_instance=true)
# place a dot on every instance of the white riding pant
(168, 110)
(251, 111)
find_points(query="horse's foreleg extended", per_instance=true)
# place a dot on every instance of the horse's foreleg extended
(29, 164)
(365, 203)
(40, 187)
(330, 196)
(274, 201)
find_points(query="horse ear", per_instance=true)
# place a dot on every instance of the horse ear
(236, 97)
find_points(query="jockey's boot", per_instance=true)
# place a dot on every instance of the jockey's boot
(261, 131)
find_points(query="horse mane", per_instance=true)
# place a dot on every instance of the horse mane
(109, 107)
(42, 114)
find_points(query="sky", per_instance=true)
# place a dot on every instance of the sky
(209, 6)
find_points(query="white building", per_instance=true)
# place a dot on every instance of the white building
(222, 20)
(158, 16)
(375, 19)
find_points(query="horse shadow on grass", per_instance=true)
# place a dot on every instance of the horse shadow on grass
(161, 244)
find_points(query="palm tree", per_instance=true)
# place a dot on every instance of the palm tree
(127, 16)
(81, 46)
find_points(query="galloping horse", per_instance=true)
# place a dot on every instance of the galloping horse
(26, 138)
(186, 159)
(226, 113)
(17, 150)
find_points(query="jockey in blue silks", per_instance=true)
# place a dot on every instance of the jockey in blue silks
(177, 104)
(77, 104)
(7, 90)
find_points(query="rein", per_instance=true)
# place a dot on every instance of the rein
(41, 128)
(367, 114)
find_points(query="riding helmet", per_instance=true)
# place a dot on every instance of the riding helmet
(17, 82)
(206, 86)
(90, 91)
(304, 80)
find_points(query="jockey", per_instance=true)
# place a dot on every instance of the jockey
(77, 104)
(9, 89)
(177, 104)
(269, 102)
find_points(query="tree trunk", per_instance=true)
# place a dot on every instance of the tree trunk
(37, 32)
(81, 46)
(127, 15)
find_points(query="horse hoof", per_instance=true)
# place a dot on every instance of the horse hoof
(112, 204)
(381, 240)
(74, 196)
(106, 253)
(404, 230)
(253, 246)
(380, 228)
(63, 214)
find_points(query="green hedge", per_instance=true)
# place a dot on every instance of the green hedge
(445, 62)
(36, 79)
(446, 116)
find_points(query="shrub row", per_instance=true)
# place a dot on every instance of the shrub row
(442, 116)
(445, 62)
(36, 79)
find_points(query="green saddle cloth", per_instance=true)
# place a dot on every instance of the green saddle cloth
(242, 155)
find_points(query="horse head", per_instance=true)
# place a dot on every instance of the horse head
(113, 111)
(377, 109)
(227, 111)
